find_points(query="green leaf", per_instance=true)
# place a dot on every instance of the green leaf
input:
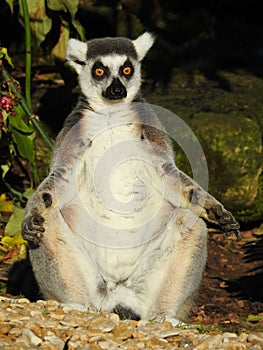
(11, 5)
(254, 318)
(5, 205)
(12, 241)
(18, 123)
(28, 193)
(70, 6)
(259, 231)
(25, 145)
(60, 49)
(4, 169)
(13, 227)
(3, 53)
(79, 28)
(39, 21)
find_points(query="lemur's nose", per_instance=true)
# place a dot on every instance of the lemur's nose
(116, 90)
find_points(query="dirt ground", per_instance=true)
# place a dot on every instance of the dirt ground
(231, 292)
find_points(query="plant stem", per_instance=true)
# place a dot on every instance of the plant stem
(28, 53)
(28, 111)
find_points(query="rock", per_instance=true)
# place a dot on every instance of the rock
(101, 322)
(31, 337)
(234, 346)
(242, 338)
(255, 347)
(233, 148)
(255, 338)
(15, 332)
(228, 335)
(107, 345)
(52, 339)
(23, 301)
(57, 315)
(210, 343)
(96, 338)
(5, 328)
(186, 343)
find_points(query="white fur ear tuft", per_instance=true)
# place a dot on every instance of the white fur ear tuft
(76, 54)
(143, 43)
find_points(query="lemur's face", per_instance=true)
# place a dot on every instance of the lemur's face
(109, 69)
(110, 79)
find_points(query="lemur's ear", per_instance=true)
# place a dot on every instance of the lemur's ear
(76, 54)
(143, 43)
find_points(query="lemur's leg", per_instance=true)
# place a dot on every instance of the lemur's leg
(198, 200)
(171, 274)
(185, 264)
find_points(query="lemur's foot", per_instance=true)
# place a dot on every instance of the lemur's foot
(225, 220)
(32, 229)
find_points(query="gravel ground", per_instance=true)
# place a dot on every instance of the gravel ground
(48, 325)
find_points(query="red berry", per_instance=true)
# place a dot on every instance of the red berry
(6, 103)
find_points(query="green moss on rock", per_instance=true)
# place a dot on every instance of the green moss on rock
(232, 145)
(255, 211)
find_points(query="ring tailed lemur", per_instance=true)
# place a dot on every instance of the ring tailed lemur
(116, 225)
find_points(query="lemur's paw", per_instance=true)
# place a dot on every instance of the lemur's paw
(225, 220)
(32, 229)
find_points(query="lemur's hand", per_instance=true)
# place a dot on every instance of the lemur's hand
(32, 226)
(198, 200)
(32, 229)
(225, 220)
(214, 212)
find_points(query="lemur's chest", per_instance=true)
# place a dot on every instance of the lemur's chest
(118, 181)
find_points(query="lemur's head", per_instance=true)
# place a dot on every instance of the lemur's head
(109, 68)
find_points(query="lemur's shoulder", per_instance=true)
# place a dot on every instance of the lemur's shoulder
(152, 128)
(73, 118)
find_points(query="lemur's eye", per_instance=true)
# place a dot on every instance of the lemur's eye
(127, 70)
(99, 72)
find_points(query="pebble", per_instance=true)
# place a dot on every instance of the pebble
(48, 325)
(210, 343)
(234, 346)
(255, 339)
(31, 337)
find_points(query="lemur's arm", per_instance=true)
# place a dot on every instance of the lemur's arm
(57, 187)
(198, 200)
(183, 191)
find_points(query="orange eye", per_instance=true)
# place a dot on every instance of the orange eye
(99, 72)
(127, 70)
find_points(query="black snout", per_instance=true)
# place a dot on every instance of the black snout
(115, 91)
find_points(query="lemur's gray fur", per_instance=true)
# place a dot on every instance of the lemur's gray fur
(141, 253)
